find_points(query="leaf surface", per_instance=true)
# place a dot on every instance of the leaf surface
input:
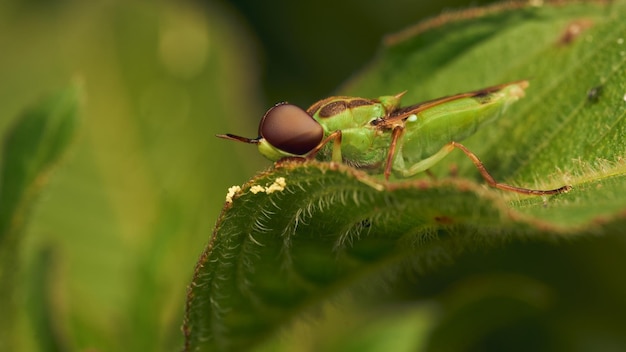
(275, 255)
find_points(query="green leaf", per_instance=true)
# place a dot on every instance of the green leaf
(127, 214)
(274, 256)
(40, 281)
(31, 150)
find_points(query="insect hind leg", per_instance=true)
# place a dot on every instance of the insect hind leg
(492, 182)
(423, 165)
(427, 163)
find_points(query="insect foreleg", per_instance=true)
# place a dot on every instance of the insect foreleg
(336, 138)
(492, 182)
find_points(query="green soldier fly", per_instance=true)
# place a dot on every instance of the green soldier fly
(382, 137)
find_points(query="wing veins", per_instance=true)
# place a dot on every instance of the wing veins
(403, 113)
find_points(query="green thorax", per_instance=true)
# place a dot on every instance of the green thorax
(340, 113)
(362, 144)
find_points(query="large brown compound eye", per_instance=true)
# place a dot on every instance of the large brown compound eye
(291, 129)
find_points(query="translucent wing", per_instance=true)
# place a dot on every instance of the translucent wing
(402, 114)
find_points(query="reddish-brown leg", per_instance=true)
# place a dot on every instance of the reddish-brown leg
(395, 135)
(336, 138)
(492, 182)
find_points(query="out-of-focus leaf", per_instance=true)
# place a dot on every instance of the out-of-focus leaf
(31, 149)
(125, 216)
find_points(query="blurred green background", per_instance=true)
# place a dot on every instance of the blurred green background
(308, 48)
(118, 229)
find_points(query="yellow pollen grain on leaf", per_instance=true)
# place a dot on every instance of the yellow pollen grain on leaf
(278, 185)
(256, 189)
(231, 193)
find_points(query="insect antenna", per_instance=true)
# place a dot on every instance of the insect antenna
(234, 137)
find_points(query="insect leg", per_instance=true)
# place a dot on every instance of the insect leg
(336, 138)
(395, 135)
(492, 182)
(427, 163)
